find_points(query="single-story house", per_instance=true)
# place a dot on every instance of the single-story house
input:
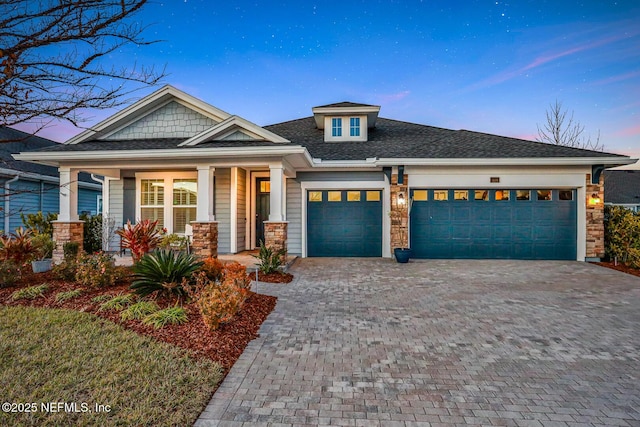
(342, 182)
(622, 188)
(30, 187)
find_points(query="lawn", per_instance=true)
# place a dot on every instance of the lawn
(58, 355)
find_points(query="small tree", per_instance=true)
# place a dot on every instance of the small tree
(561, 129)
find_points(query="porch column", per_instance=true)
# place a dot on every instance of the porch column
(595, 219)
(277, 197)
(205, 227)
(67, 229)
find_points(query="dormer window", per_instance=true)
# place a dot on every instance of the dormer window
(336, 127)
(354, 126)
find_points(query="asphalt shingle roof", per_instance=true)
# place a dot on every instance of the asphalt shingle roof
(622, 187)
(345, 104)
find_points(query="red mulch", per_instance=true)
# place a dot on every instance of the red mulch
(223, 346)
(275, 277)
(620, 267)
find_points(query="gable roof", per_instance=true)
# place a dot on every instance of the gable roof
(622, 187)
(231, 125)
(346, 104)
(19, 141)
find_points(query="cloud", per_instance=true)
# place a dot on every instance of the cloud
(631, 131)
(393, 97)
(618, 78)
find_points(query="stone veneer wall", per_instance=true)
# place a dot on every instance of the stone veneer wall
(205, 239)
(275, 236)
(64, 232)
(595, 219)
(399, 214)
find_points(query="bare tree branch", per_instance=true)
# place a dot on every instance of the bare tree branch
(561, 129)
(54, 56)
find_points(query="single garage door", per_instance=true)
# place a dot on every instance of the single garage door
(344, 223)
(494, 224)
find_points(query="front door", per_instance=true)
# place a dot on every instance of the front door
(263, 189)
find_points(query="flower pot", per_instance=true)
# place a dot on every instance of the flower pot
(402, 254)
(41, 266)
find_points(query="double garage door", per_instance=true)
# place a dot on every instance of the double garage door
(473, 224)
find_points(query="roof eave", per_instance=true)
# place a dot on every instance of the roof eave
(519, 161)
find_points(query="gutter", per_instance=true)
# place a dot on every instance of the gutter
(44, 178)
(7, 203)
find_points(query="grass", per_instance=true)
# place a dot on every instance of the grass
(168, 316)
(117, 303)
(65, 296)
(139, 310)
(51, 355)
(31, 292)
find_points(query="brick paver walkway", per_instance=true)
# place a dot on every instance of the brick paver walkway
(370, 342)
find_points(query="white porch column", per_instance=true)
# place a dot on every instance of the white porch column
(68, 194)
(277, 196)
(204, 207)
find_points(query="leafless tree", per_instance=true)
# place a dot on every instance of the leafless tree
(54, 58)
(562, 129)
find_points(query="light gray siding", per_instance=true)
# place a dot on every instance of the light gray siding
(115, 209)
(238, 136)
(223, 213)
(294, 216)
(340, 176)
(174, 120)
(242, 210)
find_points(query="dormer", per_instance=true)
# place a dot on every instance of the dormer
(346, 121)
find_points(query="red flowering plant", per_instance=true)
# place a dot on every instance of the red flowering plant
(141, 238)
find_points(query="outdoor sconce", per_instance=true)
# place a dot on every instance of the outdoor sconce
(594, 199)
(401, 199)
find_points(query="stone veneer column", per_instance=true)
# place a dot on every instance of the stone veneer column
(64, 232)
(595, 219)
(205, 239)
(275, 236)
(399, 213)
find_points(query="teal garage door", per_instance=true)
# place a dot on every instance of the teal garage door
(344, 223)
(494, 224)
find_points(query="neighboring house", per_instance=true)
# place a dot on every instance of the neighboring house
(343, 182)
(622, 188)
(29, 187)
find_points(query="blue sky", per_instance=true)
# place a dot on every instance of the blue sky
(489, 66)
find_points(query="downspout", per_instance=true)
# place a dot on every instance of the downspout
(7, 204)
(105, 246)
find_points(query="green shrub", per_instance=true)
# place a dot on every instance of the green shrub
(31, 292)
(92, 236)
(139, 310)
(117, 303)
(9, 273)
(66, 270)
(173, 241)
(70, 250)
(622, 235)
(163, 271)
(39, 223)
(270, 260)
(43, 246)
(97, 270)
(168, 316)
(101, 298)
(65, 296)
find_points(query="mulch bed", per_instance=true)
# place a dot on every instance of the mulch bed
(620, 267)
(275, 277)
(224, 345)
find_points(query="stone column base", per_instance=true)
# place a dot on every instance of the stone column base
(275, 237)
(65, 232)
(205, 239)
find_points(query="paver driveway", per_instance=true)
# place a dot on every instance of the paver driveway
(371, 342)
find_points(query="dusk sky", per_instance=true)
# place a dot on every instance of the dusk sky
(488, 66)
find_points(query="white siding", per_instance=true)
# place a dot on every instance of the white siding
(115, 209)
(223, 213)
(294, 216)
(241, 211)
(174, 120)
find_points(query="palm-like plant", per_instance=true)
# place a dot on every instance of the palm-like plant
(270, 259)
(163, 271)
(140, 238)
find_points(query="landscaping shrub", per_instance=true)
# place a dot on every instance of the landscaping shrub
(9, 273)
(140, 238)
(31, 292)
(622, 235)
(270, 260)
(174, 242)
(65, 296)
(70, 250)
(213, 268)
(236, 274)
(39, 223)
(101, 298)
(97, 270)
(17, 247)
(168, 316)
(117, 303)
(66, 270)
(163, 271)
(43, 246)
(139, 310)
(92, 236)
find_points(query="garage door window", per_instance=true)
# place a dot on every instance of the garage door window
(523, 195)
(502, 195)
(482, 195)
(544, 194)
(420, 195)
(315, 196)
(441, 195)
(373, 196)
(565, 194)
(335, 196)
(461, 195)
(353, 196)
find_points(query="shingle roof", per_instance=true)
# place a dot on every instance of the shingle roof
(153, 144)
(622, 187)
(397, 139)
(345, 104)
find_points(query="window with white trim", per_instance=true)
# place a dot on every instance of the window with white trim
(169, 197)
(184, 203)
(336, 126)
(152, 200)
(354, 126)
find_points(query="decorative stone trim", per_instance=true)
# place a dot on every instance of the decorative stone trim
(275, 236)
(64, 232)
(399, 213)
(595, 219)
(205, 239)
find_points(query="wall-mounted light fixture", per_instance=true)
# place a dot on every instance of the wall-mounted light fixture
(401, 199)
(594, 199)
